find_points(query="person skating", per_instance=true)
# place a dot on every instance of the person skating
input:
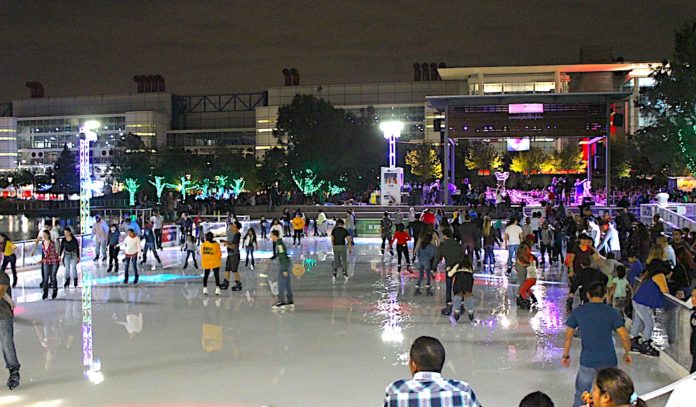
(70, 255)
(211, 260)
(150, 244)
(321, 222)
(190, 248)
(157, 224)
(513, 238)
(402, 238)
(131, 247)
(596, 322)
(341, 242)
(490, 238)
(250, 243)
(7, 331)
(425, 254)
(233, 243)
(262, 226)
(386, 230)
(100, 231)
(114, 248)
(49, 262)
(528, 299)
(462, 275)
(285, 299)
(298, 225)
(452, 252)
(9, 257)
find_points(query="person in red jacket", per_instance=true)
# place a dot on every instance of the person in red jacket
(402, 238)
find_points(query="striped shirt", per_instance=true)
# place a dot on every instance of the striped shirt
(429, 389)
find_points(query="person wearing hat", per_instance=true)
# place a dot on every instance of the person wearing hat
(100, 235)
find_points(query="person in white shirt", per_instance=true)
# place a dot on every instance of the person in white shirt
(321, 221)
(157, 223)
(594, 232)
(131, 246)
(610, 243)
(513, 238)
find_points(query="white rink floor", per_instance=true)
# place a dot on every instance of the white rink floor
(162, 344)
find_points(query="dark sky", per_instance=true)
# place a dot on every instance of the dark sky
(209, 47)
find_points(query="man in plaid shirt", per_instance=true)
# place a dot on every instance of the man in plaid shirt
(428, 388)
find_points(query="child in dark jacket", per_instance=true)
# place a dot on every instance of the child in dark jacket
(113, 244)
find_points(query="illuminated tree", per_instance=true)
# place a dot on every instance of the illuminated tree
(237, 186)
(670, 108)
(307, 182)
(185, 185)
(482, 156)
(159, 185)
(221, 181)
(204, 187)
(332, 189)
(568, 159)
(529, 162)
(132, 187)
(424, 162)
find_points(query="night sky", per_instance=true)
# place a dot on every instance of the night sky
(207, 47)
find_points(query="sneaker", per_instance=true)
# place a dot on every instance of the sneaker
(290, 305)
(237, 286)
(471, 316)
(278, 306)
(154, 266)
(635, 344)
(647, 349)
(345, 277)
(252, 267)
(217, 291)
(205, 290)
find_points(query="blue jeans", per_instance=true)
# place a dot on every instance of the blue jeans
(99, 247)
(49, 276)
(424, 266)
(583, 383)
(70, 263)
(7, 342)
(488, 256)
(468, 303)
(284, 288)
(134, 262)
(512, 254)
(643, 321)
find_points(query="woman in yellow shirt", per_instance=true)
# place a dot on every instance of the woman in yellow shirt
(9, 257)
(211, 259)
(297, 226)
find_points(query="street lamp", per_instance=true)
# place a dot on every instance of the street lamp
(392, 131)
(87, 134)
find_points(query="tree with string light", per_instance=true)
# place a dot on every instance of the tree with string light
(308, 182)
(159, 185)
(132, 187)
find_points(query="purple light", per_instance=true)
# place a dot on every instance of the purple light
(517, 108)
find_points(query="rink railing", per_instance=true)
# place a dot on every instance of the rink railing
(671, 214)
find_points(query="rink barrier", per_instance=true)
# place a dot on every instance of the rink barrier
(677, 216)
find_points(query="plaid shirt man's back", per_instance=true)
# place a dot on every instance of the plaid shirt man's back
(429, 389)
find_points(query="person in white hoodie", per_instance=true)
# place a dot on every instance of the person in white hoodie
(131, 246)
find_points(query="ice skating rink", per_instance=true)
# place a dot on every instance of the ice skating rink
(161, 343)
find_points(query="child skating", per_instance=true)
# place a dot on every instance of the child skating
(462, 275)
(190, 248)
(211, 260)
(402, 238)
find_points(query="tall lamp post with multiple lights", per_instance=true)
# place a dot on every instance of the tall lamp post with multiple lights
(87, 134)
(392, 177)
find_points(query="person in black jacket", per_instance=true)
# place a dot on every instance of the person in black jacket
(112, 242)
(451, 251)
(148, 237)
(585, 277)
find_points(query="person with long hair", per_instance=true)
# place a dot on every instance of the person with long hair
(613, 388)
(249, 242)
(49, 262)
(9, 257)
(490, 238)
(70, 254)
(649, 296)
(426, 253)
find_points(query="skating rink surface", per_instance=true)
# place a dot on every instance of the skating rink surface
(161, 343)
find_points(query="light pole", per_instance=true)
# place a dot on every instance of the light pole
(392, 177)
(392, 131)
(87, 134)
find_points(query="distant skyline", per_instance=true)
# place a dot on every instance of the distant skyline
(213, 47)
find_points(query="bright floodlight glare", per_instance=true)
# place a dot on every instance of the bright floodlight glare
(391, 128)
(91, 125)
